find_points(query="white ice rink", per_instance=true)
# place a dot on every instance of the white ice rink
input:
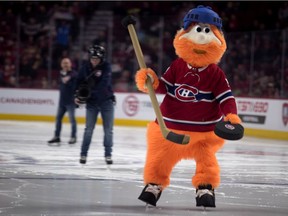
(37, 179)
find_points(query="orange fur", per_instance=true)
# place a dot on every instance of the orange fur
(163, 155)
(232, 118)
(141, 77)
(214, 52)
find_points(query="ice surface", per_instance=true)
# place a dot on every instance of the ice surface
(37, 179)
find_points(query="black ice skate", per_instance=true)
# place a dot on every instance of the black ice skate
(108, 160)
(205, 196)
(83, 160)
(72, 140)
(151, 194)
(54, 140)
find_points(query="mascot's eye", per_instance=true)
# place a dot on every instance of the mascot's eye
(206, 30)
(198, 29)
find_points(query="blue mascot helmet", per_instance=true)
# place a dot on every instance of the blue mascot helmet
(202, 14)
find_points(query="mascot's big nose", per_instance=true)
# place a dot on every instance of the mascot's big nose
(198, 37)
(201, 39)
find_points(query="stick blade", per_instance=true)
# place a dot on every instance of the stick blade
(178, 138)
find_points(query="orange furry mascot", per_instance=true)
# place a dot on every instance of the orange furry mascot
(198, 96)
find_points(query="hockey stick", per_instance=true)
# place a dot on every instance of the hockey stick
(129, 23)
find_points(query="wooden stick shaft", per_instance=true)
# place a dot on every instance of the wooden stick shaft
(141, 62)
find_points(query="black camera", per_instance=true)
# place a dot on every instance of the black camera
(83, 93)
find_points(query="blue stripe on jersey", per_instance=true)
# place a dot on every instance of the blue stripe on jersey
(205, 96)
(228, 94)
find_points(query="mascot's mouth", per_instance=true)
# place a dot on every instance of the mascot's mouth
(197, 51)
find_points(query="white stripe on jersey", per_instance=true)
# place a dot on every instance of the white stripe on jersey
(192, 122)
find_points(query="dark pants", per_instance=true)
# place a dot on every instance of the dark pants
(62, 109)
(106, 109)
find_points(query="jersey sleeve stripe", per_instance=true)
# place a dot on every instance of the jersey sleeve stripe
(223, 93)
(223, 97)
(166, 82)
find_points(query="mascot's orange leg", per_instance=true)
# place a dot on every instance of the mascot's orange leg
(160, 158)
(163, 155)
(207, 168)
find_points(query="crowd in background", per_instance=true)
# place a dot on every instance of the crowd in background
(35, 36)
(27, 31)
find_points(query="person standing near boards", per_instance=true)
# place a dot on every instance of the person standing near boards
(66, 102)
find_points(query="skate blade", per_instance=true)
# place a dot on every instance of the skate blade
(149, 207)
(54, 144)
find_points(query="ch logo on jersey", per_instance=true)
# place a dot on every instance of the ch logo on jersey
(186, 93)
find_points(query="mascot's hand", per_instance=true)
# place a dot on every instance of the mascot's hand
(141, 77)
(232, 118)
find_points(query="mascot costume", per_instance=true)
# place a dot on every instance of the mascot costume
(197, 96)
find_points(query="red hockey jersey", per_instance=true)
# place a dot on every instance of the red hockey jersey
(196, 98)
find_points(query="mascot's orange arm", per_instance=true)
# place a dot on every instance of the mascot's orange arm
(141, 77)
(233, 118)
(229, 109)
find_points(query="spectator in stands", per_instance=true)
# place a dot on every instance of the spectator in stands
(37, 18)
(31, 29)
(66, 101)
(62, 39)
(9, 76)
(123, 83)
(271, 91)
(27, 71)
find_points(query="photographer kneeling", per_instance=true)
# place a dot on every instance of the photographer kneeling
(94, 88)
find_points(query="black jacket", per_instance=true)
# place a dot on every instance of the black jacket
(99, 79)
(67, 90)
